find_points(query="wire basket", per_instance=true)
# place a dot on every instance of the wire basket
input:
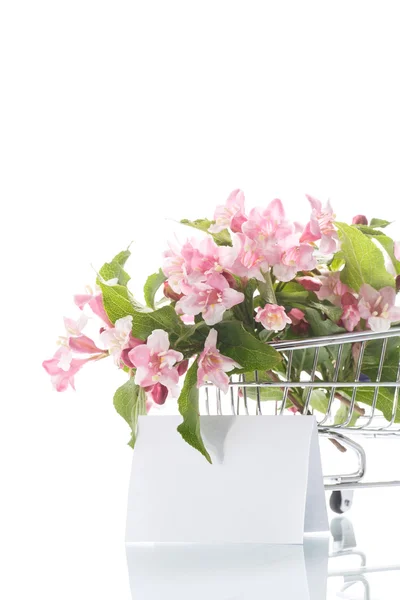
(372, 402)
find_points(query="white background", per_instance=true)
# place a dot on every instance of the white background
(116, 119)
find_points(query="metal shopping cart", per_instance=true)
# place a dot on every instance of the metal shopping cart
(371, 402)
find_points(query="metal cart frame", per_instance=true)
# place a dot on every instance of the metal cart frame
(370, 424)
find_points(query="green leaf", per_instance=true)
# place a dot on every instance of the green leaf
(370, 367)
(291, 292)
(379, 223)
(388, 244)
(222, 238)
(318, 400)
(152, 285)
(163, 318)
(342, 415)
(188, 404)
(114, 269)
(364, 262)
(245, 348)
(117, 301)
(332, 312)
(320, 326)
(337, 261)
(130, 402)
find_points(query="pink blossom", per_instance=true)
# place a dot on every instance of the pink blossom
(332, 288)
(311, 284)
(272, 317)
(378, 307)
(211, 298)
(231, 214)
(350, 315)
(193, 262)
(117, 338)
(296, 315)
(268, 224)
(155, 363)
(295, 257)
(63, 368)
(75, 327)
(213, 366)
(397, 250)
(251, 261)
(83, 345)
(95, 301)
(174, 267)
(321, 227)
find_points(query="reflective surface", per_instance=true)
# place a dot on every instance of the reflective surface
(359, 559)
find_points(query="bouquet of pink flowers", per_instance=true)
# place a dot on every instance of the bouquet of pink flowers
(217, 302)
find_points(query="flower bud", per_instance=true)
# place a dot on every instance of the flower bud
(159, 393)
(230, 279)
(182, 367)
(169, 292)
(398, 283)
(311, 284)
(360, 220)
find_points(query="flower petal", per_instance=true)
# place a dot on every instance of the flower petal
(140, 356)
(158, 341)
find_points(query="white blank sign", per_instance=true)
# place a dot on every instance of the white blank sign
(265, 484)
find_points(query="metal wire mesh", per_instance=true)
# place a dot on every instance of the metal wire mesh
(370, 403)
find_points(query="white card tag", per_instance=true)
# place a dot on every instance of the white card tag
(265, 484)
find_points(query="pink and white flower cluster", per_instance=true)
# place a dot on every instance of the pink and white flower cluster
(200, 274)
(376, 307)
(64, 365)
(197, 272)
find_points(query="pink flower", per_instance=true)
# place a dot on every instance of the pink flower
(174, 267)
(251, 260)
(155, 363)
(397, 250)
(211, 298)
(378, 307)
(321, 227)
(295, 257)
(96, 304)
(272, 317)
(269, 224)
(332, 288)
(194, 262)
(63, 368)
(231, 214)
(117, 338)
(83, 345)
(350, 315)
(311, 284)
(213, 366)
(75, 327)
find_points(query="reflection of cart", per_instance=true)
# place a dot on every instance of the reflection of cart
(370, 400)
(344, 544)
